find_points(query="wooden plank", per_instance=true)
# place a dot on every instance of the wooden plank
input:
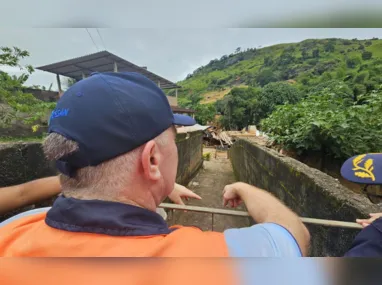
(328, 223)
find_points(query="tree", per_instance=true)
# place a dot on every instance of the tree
(273, 94)
(238, 50)
(205, 113)
(266, 76)
(238, 107)
(286, 58)
(268, 61)
(304, 54)
(329, 47)
(316, 53)
(361, 77)
(352, 62)
(20, 106)
(12, 56)
(366, 55)
(361, 47)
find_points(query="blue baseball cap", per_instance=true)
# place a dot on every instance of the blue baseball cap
(109, 114)
(364, 169)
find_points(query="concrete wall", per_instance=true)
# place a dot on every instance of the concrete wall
(21, 163)
(24, 162)
(44, 95)
(190, 152)
(309, 192)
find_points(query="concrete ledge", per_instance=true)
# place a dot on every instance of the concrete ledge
(309, 192)
(20, 163)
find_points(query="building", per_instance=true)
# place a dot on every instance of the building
(104, 61)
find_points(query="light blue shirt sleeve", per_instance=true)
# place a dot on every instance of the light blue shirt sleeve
(24, 214)
(261, 240)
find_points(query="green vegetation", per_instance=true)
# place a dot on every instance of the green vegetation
(18, 140)
(329, 121)
(204, 112)
(308, 63)
(207, 156)
(316, 95)
(15, 104)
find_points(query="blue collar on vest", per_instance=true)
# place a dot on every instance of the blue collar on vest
(102, 217)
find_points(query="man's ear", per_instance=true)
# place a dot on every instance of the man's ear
(150, 161)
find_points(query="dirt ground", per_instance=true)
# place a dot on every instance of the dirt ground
(209, 184)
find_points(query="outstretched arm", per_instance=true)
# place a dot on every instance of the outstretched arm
(14, 197)
(264, 208)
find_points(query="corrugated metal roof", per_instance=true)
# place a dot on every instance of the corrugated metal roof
(102, 61)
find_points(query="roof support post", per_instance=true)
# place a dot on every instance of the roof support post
(83, 75)
(159, 84)
(115, 67)
(58, 83)
(176, 93)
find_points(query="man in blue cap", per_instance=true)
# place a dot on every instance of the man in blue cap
(366, 169)
(112, 136)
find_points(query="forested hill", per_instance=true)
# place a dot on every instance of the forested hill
(320, 96)
(305, 64)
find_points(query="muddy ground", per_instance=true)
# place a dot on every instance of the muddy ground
(209, 184)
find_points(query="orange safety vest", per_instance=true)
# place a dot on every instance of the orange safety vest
(77, 228)
(31, 236)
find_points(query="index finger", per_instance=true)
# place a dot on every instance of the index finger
(194, 195)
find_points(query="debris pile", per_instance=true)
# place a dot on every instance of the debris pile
(214, 136)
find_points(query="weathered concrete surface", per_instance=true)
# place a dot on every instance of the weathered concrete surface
(20, 163)
(209, 184)
(190, 152)
(309, 192)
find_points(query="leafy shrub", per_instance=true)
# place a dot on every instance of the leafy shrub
(316, 53)
(207, 156)
(352, 62)
(328, 124)
(366, 55)
(17, 105)
(274, 94)
(361, 77)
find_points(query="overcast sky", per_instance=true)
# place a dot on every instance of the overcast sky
(171, 53)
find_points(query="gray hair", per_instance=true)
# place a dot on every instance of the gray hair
(103, 181)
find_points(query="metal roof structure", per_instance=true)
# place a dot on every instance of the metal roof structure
(102, 61)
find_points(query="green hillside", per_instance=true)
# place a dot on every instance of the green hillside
(320, 96)
(310, 62)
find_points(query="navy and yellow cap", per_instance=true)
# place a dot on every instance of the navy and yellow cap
(364, 169)
(109, 114)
